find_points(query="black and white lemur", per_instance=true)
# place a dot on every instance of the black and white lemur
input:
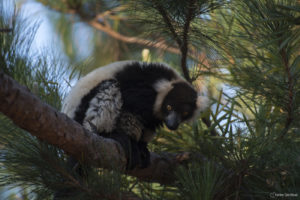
(128, 100)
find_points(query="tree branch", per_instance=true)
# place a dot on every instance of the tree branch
(160, 45)
(182, 42)
(168, 22)
(41, 120)
(185, 39)
(44, 122)
(134, 40)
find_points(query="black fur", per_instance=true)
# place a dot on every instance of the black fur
(136, 151)
(138, 95)
(136, 85)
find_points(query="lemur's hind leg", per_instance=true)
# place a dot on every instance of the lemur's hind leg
(144, 153)
(134, 153)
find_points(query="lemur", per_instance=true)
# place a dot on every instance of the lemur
(128, 100)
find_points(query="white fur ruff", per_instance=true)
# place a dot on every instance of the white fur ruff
(163, 87)
(88, 82)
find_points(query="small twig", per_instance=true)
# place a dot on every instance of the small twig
(289, 108)
(207, 122)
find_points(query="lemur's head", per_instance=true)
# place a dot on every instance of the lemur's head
(177, 101)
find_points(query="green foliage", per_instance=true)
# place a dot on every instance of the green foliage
(249, 149)
(26, 162)
(272, 59)
(168, 18)
(200, 181)
(31, 71)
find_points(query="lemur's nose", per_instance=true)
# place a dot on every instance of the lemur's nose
(172, 121)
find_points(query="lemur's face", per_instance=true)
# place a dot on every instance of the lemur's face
(180, 104)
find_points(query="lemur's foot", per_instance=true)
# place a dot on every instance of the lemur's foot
(137, 153)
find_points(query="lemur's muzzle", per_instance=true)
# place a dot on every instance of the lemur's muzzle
(172, 121)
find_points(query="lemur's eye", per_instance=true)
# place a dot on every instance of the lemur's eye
(169, 108)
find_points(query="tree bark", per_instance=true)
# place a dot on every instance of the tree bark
(41, 120)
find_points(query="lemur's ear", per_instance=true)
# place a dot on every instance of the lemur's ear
(202, 102)
(163, 86)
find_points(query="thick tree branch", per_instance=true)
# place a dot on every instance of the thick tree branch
(41, 120)
(44, 122)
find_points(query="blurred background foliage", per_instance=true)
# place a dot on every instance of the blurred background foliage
(245, 53)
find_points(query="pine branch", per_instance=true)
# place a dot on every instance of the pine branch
(135, 40)
(140, 41)
(41, 120)
(168, 22)
(181, 42)
(185, 39)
